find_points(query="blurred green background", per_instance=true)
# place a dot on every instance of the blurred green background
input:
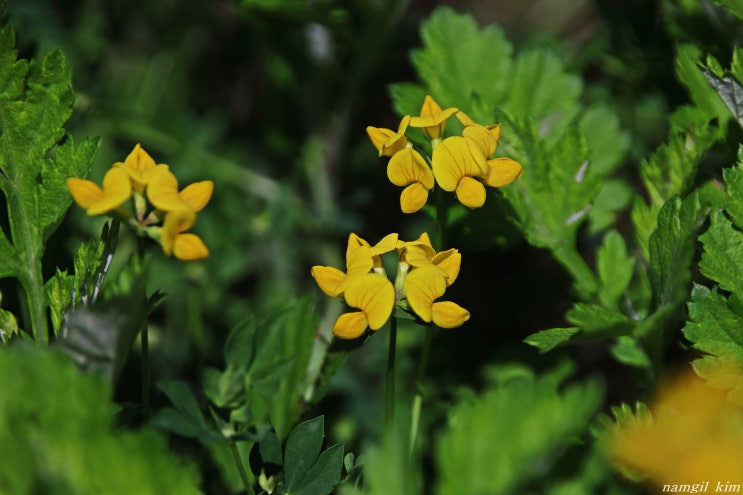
(270, 99)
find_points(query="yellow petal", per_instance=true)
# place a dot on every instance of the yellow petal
(397, 141)
(502, 171)
(422, 287)
(84, 192)
(408, 166)
(471, 193)
(162, 191)
(374, 295)
(116, 190)
(189, 247)
(379, 136)
(385, 245)
(328, 278)
(198, 194)
(429, 108)
(449, 261)
(139, 159)
(465, 119)
(413, 198)
(354, 242)
(176, 221)
(447, 314)
(452, 160)
(482, 138)
(350, 325)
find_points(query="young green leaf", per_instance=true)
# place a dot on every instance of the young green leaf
(722, 259)
(324, 474)
(546, 340)
(672, 249)
(715, 327)
(302, 450)
(615, 268)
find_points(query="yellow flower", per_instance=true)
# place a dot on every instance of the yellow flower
(422, 287)
(374, 296)
(432, 119)
(500, 171)
(695, 435)
(96, 201)
(455, 169)
(361, 259)
(387, 141)
(174, 240)
(140, 167)
(420, 253)
(162, 192)
(408, 168)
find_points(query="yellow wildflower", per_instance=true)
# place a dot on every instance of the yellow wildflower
(695, 436)
(374, 296)
(140, 167)
(97, 201)
(408, 168)
(455, 168)
(432, 118)
(158, 209)
(387, 141)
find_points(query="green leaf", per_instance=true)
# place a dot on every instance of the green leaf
(597, 321)
(734, 6)
(302, 450)
(722, 260)
(57, 436)
(628, 351)
(324, 474)
(472, 71)
(733, 202)
(730, 91)
(8, 326)
(671, 249)
(538, 418)
(615, 268)
(182, 398)
(689, 71)
(715, 327)
(546, 340)
(36, 100)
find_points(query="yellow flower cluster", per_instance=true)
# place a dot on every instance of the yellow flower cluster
(422, 277)
(460, 164)
(695, 437)
(158, 209)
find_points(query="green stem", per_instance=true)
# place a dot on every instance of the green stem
(418, 398)
(241, 468)
(144, 341)
(390, 396)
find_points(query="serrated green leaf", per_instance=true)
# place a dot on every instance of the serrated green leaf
(722, 259)
(473, 71)
(36, 100)
(546, 340)
(672, 249)
(615, 268)
(541, 89)
(59, 293)
(597, 321)
(324, 474)
(733, 199)
(716, 329)
(8, 326)
(536, 419)
(302, 450)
